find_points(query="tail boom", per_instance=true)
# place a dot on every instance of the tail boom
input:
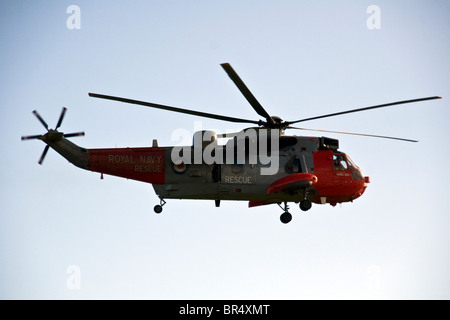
(142, 164)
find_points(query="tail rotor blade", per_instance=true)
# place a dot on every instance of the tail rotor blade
(31, 137)
(61, 117)
(40, 119)
(43, 154)
(75, 134)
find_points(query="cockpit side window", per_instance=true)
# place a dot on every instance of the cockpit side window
(339, 162)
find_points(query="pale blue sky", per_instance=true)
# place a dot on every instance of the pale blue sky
(300, 59)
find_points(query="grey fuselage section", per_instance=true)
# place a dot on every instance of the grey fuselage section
(241, 181)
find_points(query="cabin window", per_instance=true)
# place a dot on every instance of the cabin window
(293, 165)
(296, 166)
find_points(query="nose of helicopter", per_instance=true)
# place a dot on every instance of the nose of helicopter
(364, 182)
(360, 181)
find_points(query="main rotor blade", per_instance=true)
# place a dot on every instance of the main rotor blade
(174, 109)
(76, 134)
(43, 154)
(246, 92)
(229, 134)
(61, 117)
(363, 109)
(354, 134)
(40, 119)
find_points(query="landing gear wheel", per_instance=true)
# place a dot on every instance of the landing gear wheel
(158, 208)
(286, 217)
(305, 205)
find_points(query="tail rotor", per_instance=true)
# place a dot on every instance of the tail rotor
(52, 135)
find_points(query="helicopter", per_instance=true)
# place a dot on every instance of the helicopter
(259, 164)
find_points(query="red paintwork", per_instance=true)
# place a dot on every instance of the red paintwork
(253, 203)
(280, 184)
(142, 164)
(336, 185)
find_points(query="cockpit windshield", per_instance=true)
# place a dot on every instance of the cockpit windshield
(351, 163)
